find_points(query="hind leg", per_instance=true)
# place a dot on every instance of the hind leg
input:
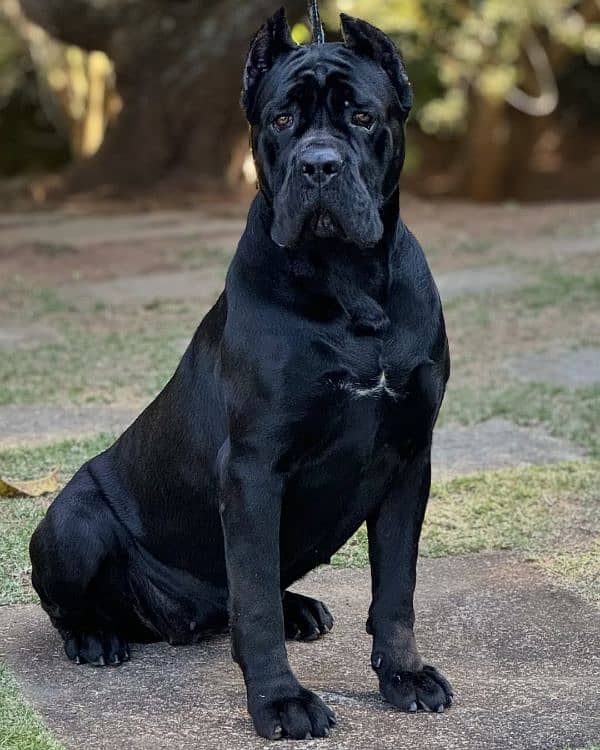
(77, 558)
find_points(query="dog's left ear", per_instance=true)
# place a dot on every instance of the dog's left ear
(369, 41)
(272, 39)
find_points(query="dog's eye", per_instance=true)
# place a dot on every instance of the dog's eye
(281, 122)
(364, 119)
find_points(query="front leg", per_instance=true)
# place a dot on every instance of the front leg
(394, 531)
(250, 504)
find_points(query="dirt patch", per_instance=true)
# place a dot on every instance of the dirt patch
(53, 248)
(32, 425)
(478, 280)
(59, 246)
(201, 286)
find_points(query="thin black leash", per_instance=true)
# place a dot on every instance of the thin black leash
(318, 35)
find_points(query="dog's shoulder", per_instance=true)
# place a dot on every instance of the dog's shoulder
(413, 291)
(415, 307)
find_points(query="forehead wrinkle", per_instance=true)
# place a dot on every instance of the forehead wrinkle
(318, 82)
(335, 62)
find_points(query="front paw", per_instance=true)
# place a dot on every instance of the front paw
(425, 689)
(296, 713)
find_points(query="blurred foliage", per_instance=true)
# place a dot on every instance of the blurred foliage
(55, 99)
(28, 134)
(475, 66)
(453, 49)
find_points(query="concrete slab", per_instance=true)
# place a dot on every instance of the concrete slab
(478, 280)
(577, 368)
(523, 655)
(203, 286)
(565, 247)
(495, 444)
(63, 229)
(14, 337)
(10, 338)
(36, 424)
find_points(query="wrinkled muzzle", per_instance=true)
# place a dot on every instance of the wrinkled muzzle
(323, 194)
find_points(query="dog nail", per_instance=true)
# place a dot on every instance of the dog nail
(308, 736)
(101, 662)
(440, 708)
(77, 660)
(326, 732)
(412, 708)
(425, 707)
(277, 732)
(377, 662)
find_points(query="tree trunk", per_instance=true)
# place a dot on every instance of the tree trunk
(487, 142)
(178, 67)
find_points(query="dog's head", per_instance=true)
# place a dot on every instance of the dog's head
(327, 129)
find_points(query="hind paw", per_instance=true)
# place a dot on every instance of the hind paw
(99, 649)
(305, 619)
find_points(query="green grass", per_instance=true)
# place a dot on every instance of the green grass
(20, 516)
(18, 519)
(474, 246)
(20, 728)
(578, 570)
(560, 309)
(553, 287)
(28, 463)
(518, 509)
(528, 509)
(525, 509)
(82, 367)
(558, 288)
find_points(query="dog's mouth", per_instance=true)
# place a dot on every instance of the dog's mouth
(324, 224)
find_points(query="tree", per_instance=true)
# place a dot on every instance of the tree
(178, 66)
(483, 71)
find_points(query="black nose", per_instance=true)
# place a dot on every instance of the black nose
(320, 164)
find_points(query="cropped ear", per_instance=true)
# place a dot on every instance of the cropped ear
(369, 41)
(271, 40)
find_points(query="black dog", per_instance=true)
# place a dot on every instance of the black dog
(303, 407)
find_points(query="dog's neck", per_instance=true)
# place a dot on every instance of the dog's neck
(326, 274)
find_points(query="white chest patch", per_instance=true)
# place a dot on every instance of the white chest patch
(359, 391)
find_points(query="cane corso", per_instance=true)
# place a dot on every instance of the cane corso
(303, 408)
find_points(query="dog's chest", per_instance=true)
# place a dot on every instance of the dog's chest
(370, 409)
(373, 392)
(370, 368)
(376, 386)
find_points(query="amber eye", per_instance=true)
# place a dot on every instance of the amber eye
(281, 122)
(364, 119)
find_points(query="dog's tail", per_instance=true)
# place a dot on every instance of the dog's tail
(318, 35)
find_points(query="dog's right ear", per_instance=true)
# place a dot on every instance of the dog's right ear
(370, 41)
(271, 40)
